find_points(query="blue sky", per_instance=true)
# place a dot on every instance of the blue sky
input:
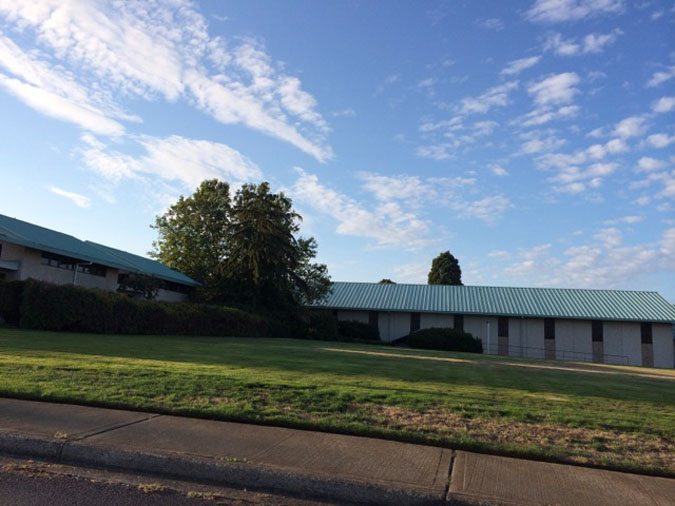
(532, 139)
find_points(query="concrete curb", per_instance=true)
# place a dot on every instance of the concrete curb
(227, 473)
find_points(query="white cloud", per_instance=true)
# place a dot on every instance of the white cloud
(411, 273)
(630, 127)
(664, 104)
(173, 158)
(555, 89)
(605, 261)
(492, 24)
(630, 220)
(386, 223)
(75, 198)
(537, 141)
(543, 115)
(347, 112)
(498, 170)
(553, 11)
(661, 76)
(56, 94)
(572, 179)
(591, 43)
(660, 140)
(154, 50)
(647, 164)
(517, 66)
(493, 97)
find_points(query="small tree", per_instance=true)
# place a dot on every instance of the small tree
(445, 270)
(386, 281)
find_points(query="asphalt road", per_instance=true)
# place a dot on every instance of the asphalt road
(32, 483)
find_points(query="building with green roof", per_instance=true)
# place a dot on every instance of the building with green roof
(613, 326)
(31, 251)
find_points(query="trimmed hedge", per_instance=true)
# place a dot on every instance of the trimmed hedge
(444, 339)
(322, 325)
(10, 301)
(358, 330)
(45, 306)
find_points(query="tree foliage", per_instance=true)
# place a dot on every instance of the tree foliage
(386, 281)
(445, 270)
(245, 250)
(193, 233)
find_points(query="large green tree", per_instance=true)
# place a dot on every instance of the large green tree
(193, 233)
(244, 250)
(445, 270)
(270, 264)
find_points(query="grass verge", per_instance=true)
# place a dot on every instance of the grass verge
(606, 416)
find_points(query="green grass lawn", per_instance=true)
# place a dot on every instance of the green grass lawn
(610, 416)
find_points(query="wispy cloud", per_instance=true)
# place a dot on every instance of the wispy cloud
(592, 43)
(664, 104)
(171, 159)
(555, 89)
(517, 66)
(153, 50)
(75, 198)
(493, 97)
(386, 223)
(661, 76)
(554, 11)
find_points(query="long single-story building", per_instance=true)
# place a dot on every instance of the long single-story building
(609, 326)
(30, 251)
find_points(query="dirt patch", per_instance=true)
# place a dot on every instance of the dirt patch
(576, 444)
(399, 355)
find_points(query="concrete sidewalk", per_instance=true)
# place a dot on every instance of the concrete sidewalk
(311, 464)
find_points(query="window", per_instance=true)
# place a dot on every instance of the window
(69, 264)
(0, 250)
(596, 330)
(503, 326)
(414, 322)
(459, 321)
(373, 318)
(646, 333)
(549, 328)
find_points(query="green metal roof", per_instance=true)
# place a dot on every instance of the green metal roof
(505, 301)
(147, 265)
(44, 239)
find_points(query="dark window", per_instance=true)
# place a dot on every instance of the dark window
(549, 328)
(459, 322)
(414, 322)
(373, 318)
(646, 333)
(335, 313)
(596, 329)
(503, 326)
(0, 250)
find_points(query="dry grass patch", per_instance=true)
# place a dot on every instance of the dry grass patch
(575, 444)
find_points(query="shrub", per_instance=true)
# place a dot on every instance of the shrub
(46, 306)
(10, 301)
(444, 339)
(357, 330)
(321, 325)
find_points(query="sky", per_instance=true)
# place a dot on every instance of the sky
(532, 139)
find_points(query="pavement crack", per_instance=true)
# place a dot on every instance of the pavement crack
(108, 428)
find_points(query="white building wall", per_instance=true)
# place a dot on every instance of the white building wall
(478, 326)
(622, 338)
(573, 339)
(393, 325)
(32, 267)
(664, 347)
